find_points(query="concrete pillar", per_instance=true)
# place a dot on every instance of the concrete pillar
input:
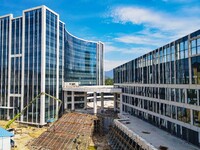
(176, 113)
(72, 97)
(65, 99)
(85, 100)
(198, 97)
(115, 100)
(185, 90)
(189, 60)
(199, 136)
(43, 70)
(42, 110)
(121, 103)
(191, 117)
(102, 102)
(95, 103)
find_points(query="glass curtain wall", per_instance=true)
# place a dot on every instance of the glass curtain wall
(80, 61)
(16, 66)
(4, 51)
(166, 65)
(61, 56)
(32, 64)
(169, 73)
(51, 64)
(35, 58)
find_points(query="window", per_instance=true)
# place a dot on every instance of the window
(174, 112)
(168, 110)
(182, 95)
(192, 96)
(198, 46)
(193, 47)
(177, 95)
(196, 118)
(195, 69)
(183, 114)
(172, 94)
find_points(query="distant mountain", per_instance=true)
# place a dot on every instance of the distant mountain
(109, 74)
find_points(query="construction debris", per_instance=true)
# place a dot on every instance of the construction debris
(72, 131)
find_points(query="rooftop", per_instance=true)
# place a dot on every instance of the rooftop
(153, 136)
(105, 89)
(5, 133)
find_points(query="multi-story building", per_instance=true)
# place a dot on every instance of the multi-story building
(83, 61)
(37, 54)
(163, 87)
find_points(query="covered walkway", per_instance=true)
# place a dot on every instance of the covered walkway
(75, 96)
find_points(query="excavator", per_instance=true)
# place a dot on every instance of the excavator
(30, 103)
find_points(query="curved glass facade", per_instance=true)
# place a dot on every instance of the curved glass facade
(80, 61)
(37, 55)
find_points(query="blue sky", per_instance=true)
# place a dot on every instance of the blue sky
(129, 28)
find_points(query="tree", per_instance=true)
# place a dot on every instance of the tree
(109, 81)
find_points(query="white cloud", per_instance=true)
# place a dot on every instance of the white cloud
(179, 1)
(138, 40)
(110, 48)
(110, 64)
(147, 38)
(188, 10)
(158, 28)
(156, 20)
(133, 50)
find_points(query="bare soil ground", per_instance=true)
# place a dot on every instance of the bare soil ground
(23, 134)
(99, 143)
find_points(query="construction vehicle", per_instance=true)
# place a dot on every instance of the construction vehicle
(30, 103)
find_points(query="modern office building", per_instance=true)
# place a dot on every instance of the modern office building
(83, 61)
(162, 87)
(37, 54)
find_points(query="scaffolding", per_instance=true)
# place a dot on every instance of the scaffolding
(71, 131)
(121, 137)
(119, 140)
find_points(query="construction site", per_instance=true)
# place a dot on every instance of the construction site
(72, 131)
(75, 130)
(84, 130)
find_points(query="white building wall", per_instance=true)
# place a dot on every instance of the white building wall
(5, 143)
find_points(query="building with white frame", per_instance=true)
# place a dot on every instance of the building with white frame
(38, 54)
(162, 87)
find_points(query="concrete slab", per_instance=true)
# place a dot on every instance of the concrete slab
(155, 136)
(98, 89)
